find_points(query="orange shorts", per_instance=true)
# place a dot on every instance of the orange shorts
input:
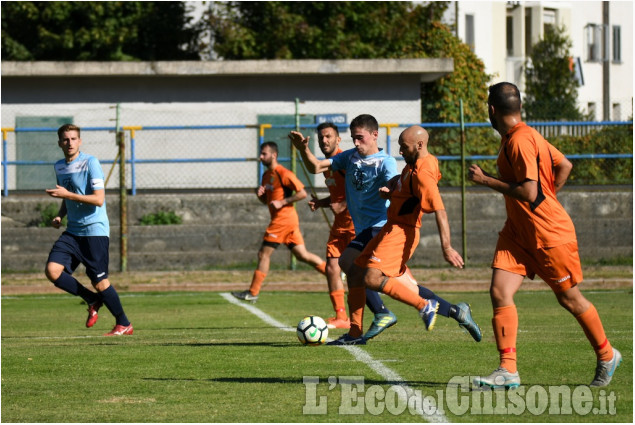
(558, 266)
(390, 250)
(338, 241)
(285, 234)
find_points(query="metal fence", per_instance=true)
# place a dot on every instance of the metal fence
(173, 158)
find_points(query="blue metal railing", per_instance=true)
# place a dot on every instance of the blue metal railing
(133, 161)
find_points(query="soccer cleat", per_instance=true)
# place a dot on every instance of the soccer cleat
(604, 370)
(429, 314)
(467, 322)
(500, 378)
(245, 296)
(346, 339)
(92, 314)
(335, 323)
(120, 330)
(381, 322)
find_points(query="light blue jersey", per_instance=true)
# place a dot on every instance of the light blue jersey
(83, 176)
(364, 177)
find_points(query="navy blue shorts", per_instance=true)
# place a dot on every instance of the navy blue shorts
(91, 251)
(361, 240)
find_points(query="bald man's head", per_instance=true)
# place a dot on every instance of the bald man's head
(413, 143)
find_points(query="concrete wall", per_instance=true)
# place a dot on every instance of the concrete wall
(226, 228)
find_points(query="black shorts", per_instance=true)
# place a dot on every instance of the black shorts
(361, 240)
(91, 251)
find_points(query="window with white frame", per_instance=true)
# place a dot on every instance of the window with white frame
(593, 41)
(617, 43)
(549, 19)
(617, 112)
(592, 110)
(469, 31)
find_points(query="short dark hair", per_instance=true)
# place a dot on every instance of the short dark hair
(271, 145)
(365, 121)
(67, 127)
(328, 125)
(505, 97)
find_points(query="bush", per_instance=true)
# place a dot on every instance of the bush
(47, 213)
(160, 218)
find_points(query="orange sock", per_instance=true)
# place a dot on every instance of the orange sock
(399, 291)
(505, 324)
(321, 268)
(337, 299)
(594, 331)
(256, 282)
(356, 303)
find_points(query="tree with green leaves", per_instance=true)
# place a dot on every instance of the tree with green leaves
(551, 90)
(108, 31)
(355, 30)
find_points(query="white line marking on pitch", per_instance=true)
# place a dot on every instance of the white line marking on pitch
(359, 354)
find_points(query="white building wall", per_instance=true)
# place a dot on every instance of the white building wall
(491, 44)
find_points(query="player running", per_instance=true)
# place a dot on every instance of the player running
(277, 192)
(538, 237)
(80, 185)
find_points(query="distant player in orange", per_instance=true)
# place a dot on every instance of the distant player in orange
(383, 261)
(538, 237)
(342, 230)
(277, 192)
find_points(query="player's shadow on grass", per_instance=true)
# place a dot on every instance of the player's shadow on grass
(296, 380)
(208, 328)
(227, 344)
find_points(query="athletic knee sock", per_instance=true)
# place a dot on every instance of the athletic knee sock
(321, 268)
(339, 305)
(356, 301)
(594, 331)
(256, 282)
(505, 324)
(399, 291)
(374, 302)
(69, 284)
(110, 297)
(444, 306)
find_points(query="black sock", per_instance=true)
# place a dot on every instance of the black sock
(444, 306)
(112, 302)
(374, 302)
(69, 284)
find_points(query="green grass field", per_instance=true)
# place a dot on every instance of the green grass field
(195, 357)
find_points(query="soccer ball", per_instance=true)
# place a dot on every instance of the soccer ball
(312, 330)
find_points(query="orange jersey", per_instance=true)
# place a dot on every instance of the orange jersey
(280, 183)
(526, 155)
(336, 184)
(417, 193)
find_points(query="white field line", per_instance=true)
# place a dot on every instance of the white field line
(359, 354)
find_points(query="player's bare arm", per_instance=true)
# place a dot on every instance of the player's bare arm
(561, 173)
(96, 198)
(314, 165)
(57, 221)
(316, 203)
(298, 196)
(526, 191)
(449, 253)
(338, 207)
(261, 194)
(385, 192)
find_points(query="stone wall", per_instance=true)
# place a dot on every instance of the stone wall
(225, 229)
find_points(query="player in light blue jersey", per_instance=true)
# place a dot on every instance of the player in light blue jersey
(80, 185)
(367, 169)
